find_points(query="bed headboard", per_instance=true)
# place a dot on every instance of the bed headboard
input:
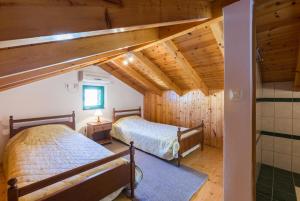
(15, 128)
(118, 114)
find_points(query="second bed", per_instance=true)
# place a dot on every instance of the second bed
(164, 141)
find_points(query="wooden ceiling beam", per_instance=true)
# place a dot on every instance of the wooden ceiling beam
(28, 58)
(137, 76)
(297, 73)
(20, 79)
(186, 67)
(121, 77)
(33, 18)
(218, 32)
(157, 72)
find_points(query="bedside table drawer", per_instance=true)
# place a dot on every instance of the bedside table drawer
(100, 131)
(102, 127)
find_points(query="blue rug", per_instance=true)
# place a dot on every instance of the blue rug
(164, 181)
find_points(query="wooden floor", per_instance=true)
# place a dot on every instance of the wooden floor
(210, 161)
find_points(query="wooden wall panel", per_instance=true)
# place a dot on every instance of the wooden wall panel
(188, 111)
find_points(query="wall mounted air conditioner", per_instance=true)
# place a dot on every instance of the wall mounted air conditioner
(93, 78)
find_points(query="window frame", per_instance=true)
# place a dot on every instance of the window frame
(102, 101)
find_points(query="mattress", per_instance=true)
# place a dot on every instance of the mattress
(44, 151)
(155, 138)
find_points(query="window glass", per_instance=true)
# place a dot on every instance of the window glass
(93, 97)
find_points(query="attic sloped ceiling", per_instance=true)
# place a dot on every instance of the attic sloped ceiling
(200, 49)
(194, 61)
(278, 38)
(33, 18)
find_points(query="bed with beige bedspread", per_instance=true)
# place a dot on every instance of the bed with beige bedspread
(158, 139)
(43, 151)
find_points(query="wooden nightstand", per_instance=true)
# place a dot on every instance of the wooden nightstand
(100, 131)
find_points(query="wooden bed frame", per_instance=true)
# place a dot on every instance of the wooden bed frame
(185, 143)
(92, 188)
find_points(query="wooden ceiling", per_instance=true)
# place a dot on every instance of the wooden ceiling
(278, 37)
(191, 60)
(180, 50)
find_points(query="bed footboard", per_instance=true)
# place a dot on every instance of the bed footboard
(190, 138)
(92, 188)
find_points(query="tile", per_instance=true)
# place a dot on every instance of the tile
(262, 197)
(296, 110)
(265, 190)
(296, 127)
(296, 164)
(267, 142)
(296, 147)
(298, 193)
(283, 125)
(296, 94)
(258, 151)
(268, 90)
(258, 107)
(283, 110)
(258, 92)
(283, 135)
(283, 145)
(267, 157)
(266, 171)
(268, 109)
(283, 196)
(295, 137)
(284, 100)
(283, 161)
(257, 170)
(258, 124)
(284, 186)
(283, 181)
(296, 179)
(283, 176)
(264, 100)
(283, 90)
(267, 124)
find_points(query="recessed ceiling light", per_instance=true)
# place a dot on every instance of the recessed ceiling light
(125, 62)
(130, 58)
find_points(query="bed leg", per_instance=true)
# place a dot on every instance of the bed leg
(202, 143)
(12, 192)
(132, 170)
(178, 160)
(202, 136)
(179, 141)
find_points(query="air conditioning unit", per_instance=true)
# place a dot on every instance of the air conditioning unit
(93, 78)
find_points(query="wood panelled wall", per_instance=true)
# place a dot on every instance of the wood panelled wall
(188, 111)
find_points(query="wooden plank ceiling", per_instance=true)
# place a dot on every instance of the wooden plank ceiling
(141, 51)
(187, 61)
(278, 37)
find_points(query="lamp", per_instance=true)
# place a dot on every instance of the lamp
(98, 114)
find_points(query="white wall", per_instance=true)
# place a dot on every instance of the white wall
(238, 172)
(50, 97)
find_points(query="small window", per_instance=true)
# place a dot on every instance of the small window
(93, 97)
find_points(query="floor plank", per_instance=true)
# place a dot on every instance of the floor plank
(210, 161)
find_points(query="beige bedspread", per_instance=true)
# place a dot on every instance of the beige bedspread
(41, 152)
(155, 138)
